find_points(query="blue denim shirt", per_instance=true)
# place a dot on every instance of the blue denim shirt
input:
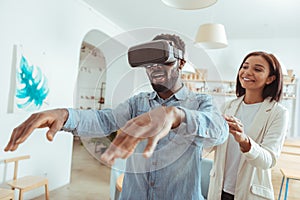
(173, 171)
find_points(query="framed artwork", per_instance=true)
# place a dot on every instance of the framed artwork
(30, 84)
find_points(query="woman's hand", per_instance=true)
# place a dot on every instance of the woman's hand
(236, 128)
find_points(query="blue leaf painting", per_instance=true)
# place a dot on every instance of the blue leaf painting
(32, 87)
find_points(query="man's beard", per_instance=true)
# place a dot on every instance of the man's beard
(169, 85)
(159, 88)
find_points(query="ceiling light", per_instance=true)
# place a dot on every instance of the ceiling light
(189, 4)
(211, 36)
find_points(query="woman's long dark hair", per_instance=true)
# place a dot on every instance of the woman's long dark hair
(273, 90)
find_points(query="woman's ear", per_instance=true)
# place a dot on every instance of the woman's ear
(270, 79)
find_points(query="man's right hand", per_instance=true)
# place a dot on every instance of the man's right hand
(152, 126)
(53, 119)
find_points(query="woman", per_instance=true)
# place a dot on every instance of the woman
(257, 125)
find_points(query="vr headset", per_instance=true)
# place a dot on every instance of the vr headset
(154, 52)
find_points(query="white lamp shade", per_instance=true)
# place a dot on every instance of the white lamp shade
(212, 36)
(189, 4)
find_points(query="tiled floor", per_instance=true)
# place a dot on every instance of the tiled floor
(90, 179)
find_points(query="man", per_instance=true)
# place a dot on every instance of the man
(161, 133)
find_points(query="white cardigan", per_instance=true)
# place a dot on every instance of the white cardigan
(267, 134)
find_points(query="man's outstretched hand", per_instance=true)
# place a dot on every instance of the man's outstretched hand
(53, 119)
(152, 125)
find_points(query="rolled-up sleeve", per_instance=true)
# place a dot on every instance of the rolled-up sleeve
(265, 154)
(205, 123)
(97, 123)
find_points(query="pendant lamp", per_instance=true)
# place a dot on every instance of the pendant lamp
(189, 4)
(211, 36)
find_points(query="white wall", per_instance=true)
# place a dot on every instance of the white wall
(229, 59)
(51, 33)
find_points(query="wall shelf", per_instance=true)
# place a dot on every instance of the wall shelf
(227, 88)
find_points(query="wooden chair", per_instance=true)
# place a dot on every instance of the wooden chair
(6, 194)
(26, 183)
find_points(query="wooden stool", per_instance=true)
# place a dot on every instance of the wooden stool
(288, 174)
(289, 165)
(6, 194)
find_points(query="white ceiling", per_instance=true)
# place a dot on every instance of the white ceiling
(241, 18)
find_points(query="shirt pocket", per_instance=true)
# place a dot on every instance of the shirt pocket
(262, 191)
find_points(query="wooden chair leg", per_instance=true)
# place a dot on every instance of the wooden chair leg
(13, 196)
(47, 192)
(286, 188)
(281, 186)
(21, 194)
